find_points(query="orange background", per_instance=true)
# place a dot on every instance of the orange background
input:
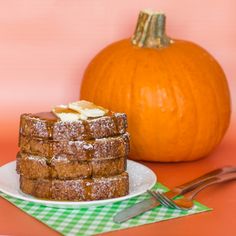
(45, 46)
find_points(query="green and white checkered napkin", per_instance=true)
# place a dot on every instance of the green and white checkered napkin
(94, 220)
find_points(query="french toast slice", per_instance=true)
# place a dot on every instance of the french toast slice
(77, 189)
(62, 167)
(111, 147)
(47, 126)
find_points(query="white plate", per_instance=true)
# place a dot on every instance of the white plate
(141, 178)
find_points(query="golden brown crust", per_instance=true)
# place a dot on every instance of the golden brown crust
(77, 190)
(61, 167)
(116, 146)
(73, 160)
(106, 126)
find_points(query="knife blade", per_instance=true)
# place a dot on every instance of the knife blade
(151, 203)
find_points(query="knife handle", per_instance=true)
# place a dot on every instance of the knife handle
(182, 189)
(216, 180)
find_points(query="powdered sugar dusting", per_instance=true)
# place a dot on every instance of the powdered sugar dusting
(106, 126)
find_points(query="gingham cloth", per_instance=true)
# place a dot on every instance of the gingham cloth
(95, 220)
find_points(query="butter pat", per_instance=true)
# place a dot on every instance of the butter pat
(80, 110)
(65, 114)
(68, 116)
(88, 109)
(93, 112)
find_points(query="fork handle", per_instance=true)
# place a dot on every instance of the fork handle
(209, 182)
(209, 175)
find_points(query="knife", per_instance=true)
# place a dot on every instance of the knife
(151, 203)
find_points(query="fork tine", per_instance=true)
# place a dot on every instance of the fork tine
(164, 199)
(171, 203)
(153, 193)
(159, 198)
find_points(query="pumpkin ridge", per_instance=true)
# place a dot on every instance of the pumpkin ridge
(104, 72)
(218, 115)
(165, 60)
(228, 113)
(115, 79)
(191, 147)
(218, 128)
(191, 97)
(205, 147)
(132, 79)
(218, 125)
(210, 141)
(90, 92)
(222, 129)
(227, 94)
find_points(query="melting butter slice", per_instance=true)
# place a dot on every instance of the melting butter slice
(88, 109)
(80, 110)
(66, 114)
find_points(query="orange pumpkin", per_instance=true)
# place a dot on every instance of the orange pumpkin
(174, 92)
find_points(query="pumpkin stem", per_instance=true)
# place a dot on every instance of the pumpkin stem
(150, 30)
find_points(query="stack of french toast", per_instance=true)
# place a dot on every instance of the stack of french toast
(76, 152)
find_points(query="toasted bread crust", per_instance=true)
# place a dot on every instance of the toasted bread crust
(76, 160)
(60, 167)
(77, 190)
(106, 126)
(116, 146)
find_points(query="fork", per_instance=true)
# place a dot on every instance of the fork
(165, 201)
(186, 202)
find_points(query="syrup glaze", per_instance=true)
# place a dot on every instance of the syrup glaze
(49, 116)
